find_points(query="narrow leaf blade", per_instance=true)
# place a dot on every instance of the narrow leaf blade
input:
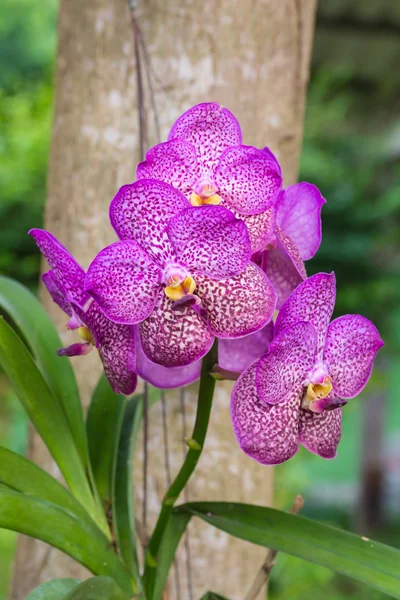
(57, 589)
(97, 588)
(365, 560)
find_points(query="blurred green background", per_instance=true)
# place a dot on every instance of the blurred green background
(351, 152)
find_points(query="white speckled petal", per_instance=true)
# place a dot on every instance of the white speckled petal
(320, 433)
(124, 281)
(141, 211)
(260, 227)
(237, 306)
(266, 433)
(351, 345)
(211, 129)
(210, 240)
(238, 354)
(284, 368)
(247, 179)
(313, 301)
(174, 338)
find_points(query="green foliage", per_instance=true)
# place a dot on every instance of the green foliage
(97, 588)
(58, 589)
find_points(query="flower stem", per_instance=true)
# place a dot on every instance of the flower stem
(204, 403)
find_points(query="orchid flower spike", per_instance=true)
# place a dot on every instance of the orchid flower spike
(295, 392)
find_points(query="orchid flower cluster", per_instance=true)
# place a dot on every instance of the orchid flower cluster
(211, 246)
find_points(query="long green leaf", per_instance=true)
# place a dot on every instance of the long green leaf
(83, 541)
(41, 335)
(177, 524)
(102, 426)
(22, 475)
(213, 596)
(57, 589)
(98, 588)
(44, 412)
(365, 560)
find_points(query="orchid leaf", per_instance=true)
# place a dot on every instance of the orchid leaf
(39, 332)
(22, 475)
(57, 589)
(82, 541)
(365, 560)
(44, 412)
(97, 588)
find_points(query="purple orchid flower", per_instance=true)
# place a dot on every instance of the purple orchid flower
(181, 272)
(115, 343)
(295, 392)
(205, 159)
(295, 237)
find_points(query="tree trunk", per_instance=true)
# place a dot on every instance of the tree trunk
(253, 57)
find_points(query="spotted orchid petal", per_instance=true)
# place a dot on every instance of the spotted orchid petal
(116, 346)
(273, 159)
(238, 354)
(352, 343)
(124, 281)
(174, 162)
(211, 129)
(64, 266)
(56, 292)
(313, 301)
(266, 433)
(239, 305)
(141, 211)
(298, 214)
(162, 377)
(320, 433)
(173, 338)
(261, 228)
(247, 180)
(283, 369)
(210, 240)
(284, 267)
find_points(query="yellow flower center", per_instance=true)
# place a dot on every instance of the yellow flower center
(316, 391)
(206, 196)
(86, 335)
(177, 289)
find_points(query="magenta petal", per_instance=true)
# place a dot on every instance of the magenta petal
(313, 301)
(141, 211)
(238, 354)
(174, 338)
(352, 343)
(173, 162)
(56, 292)
(239, 305)
(298, 214)
(284, 267)
(247, 180)
(210, 240)
(261, 228)
(283, 370)
(273, 159)
(268, 434)
(66, 269)
(162, 377)
(210, 128)
(320, 432)
(124, 281)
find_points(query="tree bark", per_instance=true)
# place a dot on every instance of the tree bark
(251, 56)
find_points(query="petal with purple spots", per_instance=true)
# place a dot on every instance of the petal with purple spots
(261, 228)
(162, 377)
(56, 292)
(313, 301)
(298, 214)
(238, 354)
(266, 433)
(210, 240)
(173, 162)
(211, 129)
(247, 180)
(124, 281)
(141, 211)
(66, 270)
(320, 433)
(283, 370)
(174, 338)
(352, 343)
(237, 306)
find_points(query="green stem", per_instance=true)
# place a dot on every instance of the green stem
(195, 444)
